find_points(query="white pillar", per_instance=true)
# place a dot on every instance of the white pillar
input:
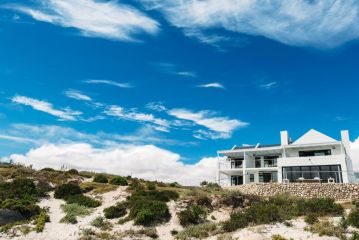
(244, 167)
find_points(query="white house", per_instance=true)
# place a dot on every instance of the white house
(314, 157)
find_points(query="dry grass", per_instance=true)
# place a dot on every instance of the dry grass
(98, 188)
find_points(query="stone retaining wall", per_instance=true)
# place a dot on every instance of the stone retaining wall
(338, 191)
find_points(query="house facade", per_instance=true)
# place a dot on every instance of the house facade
(314, 157)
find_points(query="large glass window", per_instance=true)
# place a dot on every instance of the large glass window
(236, 180)
(294, 174)
(237, 163)
(268, 177)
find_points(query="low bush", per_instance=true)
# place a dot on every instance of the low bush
(151, 186)
(25, 207)
(48, 170)
(311, 218)
(194, 214)
(117, 211)
(236, 199)
(43, 188)
(353, 218)
(82, 200)
(65, 190)
(101, 223)
(19, 188)
(197, 231)
(100, 178)
(278, 237)
(278, 209)
(149, 212)
(73, 172)
(136, 185)
(164, 196)
(121, 181)
(326, 228)
(73, 211)
(41, 220)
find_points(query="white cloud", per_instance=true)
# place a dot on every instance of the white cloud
(110, 19)
(134, 115)
(77, 95)
(186, 74)
(146, 161)
(212, 85)
(156, 106)
(268, 85)
(322, 23)
(221, 127)
(355, 154)
(171, 68)
(43, 106)
(109, 82)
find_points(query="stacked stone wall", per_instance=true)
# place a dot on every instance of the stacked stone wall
(339, 192)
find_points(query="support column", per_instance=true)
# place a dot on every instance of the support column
(244, 168)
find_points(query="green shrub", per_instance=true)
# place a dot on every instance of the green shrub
(136, 185)
(320, 206)
(237, 199)
(203, 183)
(164, 196)
(101, 223)
(48, 170)
(326, 228)
(237, 221)
(100, 178)
(353, 217)
(65, 190)
(151, 186)
(354, 236)
(263, 213)
(43, 188)
(197, 231)
(194, 214)
(311, 218)
(41, 220)
(73, 172)
(73, 211)
(116, 211)
(278, 237)
(83, 201)
(25, 207)
(121, 181)
(149, 212)
(19, 188)
(203, 200)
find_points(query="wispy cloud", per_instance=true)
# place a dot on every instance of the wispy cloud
(220, 127)
(298, 23)
(156, 106)
(110, 19)
(75, 94)
(17, 139)
(65, 114)
(175, 69)
(211, 85)
(268, 85)
(134, 115)
(109, 82)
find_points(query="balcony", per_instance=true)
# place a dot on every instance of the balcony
(312, 160)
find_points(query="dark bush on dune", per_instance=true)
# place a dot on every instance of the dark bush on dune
(27, 208)
(279, 209)
(73, 172)
(194, 214)
(145, 212)
(353, 217)
(116, 211)
(121, 181)
(82, 200)
(66, 190)
(151, 186)
(19, 188)
(100, 178)
(164, 196)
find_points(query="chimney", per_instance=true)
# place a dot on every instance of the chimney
(345, 139)
(284, 139)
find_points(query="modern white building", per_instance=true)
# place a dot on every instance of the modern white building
(314, 157)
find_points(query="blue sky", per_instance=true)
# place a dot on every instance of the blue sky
(186, 77)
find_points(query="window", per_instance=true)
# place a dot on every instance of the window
(270, 161)
(267, 177)
(251, 177)
(258, 162)
(310, 172)
(315, 153)
(237, 163)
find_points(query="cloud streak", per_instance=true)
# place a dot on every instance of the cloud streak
(74, 94)
(219, 127)
(320, 24)
(109, 82)
(92, 18)
(65, 114)
(211, 85)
